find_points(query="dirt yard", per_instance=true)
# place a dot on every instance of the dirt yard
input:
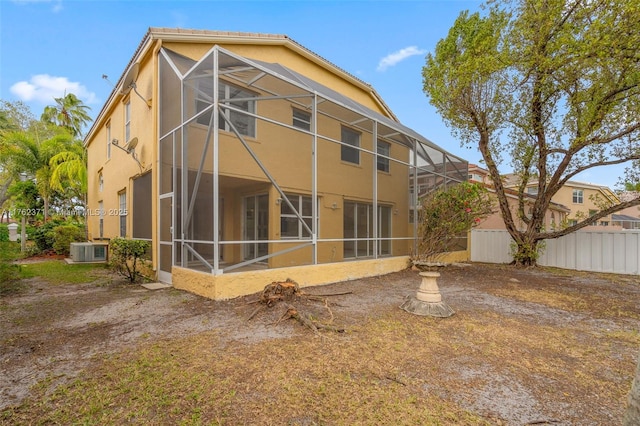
(526, 346)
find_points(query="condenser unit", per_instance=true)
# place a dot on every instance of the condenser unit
(89, 252)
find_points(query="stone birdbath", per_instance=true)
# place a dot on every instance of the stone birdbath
(428, 300)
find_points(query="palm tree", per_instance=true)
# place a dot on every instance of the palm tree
(24, 153)
(69, 173)
(69, 112)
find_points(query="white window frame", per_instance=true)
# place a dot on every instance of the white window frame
(225, 93)
(101, 218)
(298, 202)
(578, 196)
(122, 212)
(301, 119)
(127, 121)
(100, 182)
(347, 151)
(384, 151)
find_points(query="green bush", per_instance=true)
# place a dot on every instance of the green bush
(64, 235)
(44, 236)
(4, 232)
(125, 255)
(446, 214)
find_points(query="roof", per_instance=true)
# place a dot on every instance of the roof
(212, 36)
(624, 218)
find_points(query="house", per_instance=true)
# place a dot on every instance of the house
(246, 158)
(583, 199)
(555, 215)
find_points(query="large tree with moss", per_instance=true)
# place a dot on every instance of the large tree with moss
(553, 86)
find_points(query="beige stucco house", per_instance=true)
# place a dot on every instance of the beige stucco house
(555, 215)
(246, 158)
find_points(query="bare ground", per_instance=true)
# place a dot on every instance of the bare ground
(526, 346)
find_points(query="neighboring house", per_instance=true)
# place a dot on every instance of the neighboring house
(628, 218)
(555, 215)
(583, 199)
(246, 158)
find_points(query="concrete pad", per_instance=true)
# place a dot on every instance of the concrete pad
(156, 286)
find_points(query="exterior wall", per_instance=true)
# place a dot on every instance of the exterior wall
(118, 170)
(552, 217)
(285, 152)
(565, 197)
(228, 286)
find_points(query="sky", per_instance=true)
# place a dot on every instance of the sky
(52, 47)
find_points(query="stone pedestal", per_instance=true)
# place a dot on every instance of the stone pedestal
(428, 300)
(13, 231)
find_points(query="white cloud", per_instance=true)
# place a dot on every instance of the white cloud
(43, 88)
(395, 57)
(57, 4)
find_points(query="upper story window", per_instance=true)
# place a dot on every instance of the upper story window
(578, 196)
(384, 148)
(100, 182)
(532, 190)
(301, 119)
(127, 121)
(108, 128)
(234, 97)
(347, 153)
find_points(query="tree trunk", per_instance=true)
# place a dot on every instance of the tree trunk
(632, 415)
(526, 251)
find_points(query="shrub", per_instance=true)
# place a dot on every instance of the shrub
(64, 235)
(4, 232)
(447, 213)
(44, 236)
(125, 255)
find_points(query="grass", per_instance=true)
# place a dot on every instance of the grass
(408, 377)
(59, 272)
(9, 273)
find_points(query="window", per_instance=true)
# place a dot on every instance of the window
(578, 196)
(384, 148)
(290, 226)
(532, 190)
(347, 153)
(100, 182)
(108, 141)
(604, 223)
(301, 119)
(101, 218)
(122, 212)
(232, 96)
(127, 121)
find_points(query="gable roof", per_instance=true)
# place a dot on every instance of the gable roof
(211, 36)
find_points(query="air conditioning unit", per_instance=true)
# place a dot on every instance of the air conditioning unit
(89, 252)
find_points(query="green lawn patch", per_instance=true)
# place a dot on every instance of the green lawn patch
(9, 273)
(59, 272)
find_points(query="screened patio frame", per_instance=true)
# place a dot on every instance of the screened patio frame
(427, 160)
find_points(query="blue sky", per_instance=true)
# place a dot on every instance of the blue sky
(48, 47)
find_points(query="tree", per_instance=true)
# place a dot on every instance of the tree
(26, 154)
(553, 84)
(448, 213)
(14, 117)
(69, 112)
